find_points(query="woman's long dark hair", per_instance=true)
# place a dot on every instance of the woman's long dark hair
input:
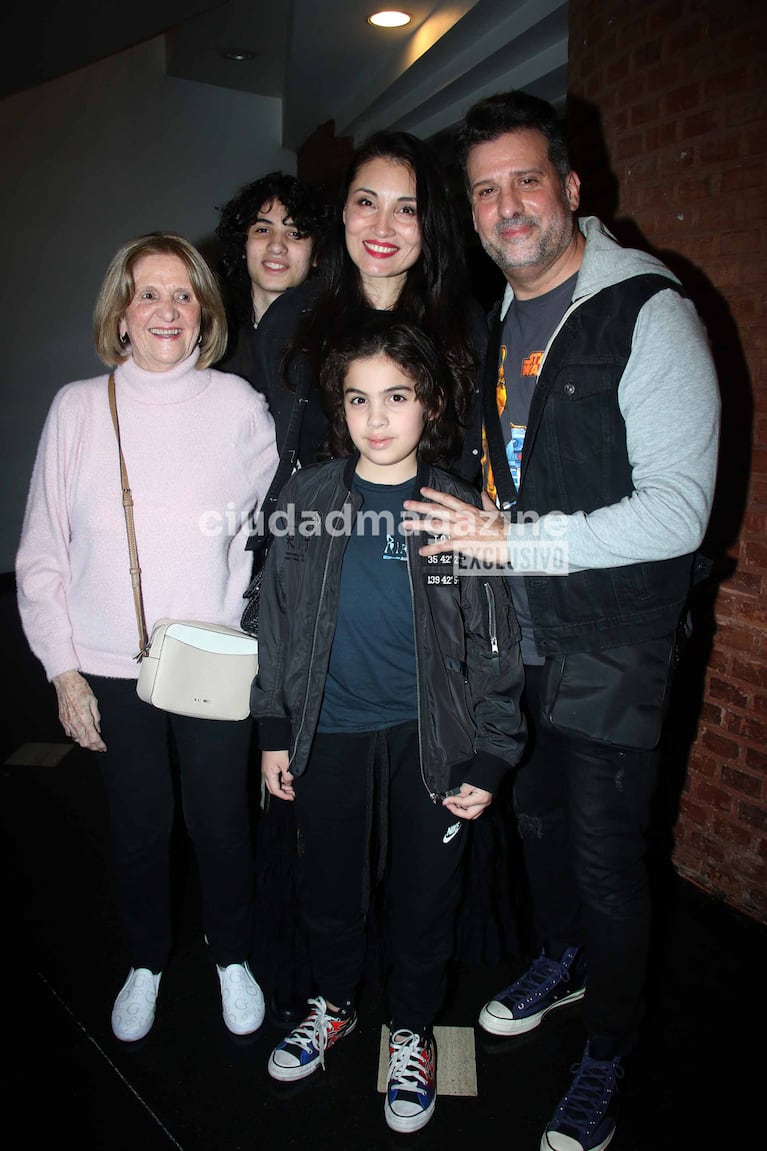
(434, 295)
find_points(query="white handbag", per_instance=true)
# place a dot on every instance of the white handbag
(198, 669)
(187, 667)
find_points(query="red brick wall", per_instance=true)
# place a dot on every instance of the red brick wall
(667, 112)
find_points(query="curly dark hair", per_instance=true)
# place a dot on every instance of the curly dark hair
(417, 357)
(511, 112)
(306, 206)
(434, 295)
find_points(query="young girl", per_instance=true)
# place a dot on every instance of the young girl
(387, 701)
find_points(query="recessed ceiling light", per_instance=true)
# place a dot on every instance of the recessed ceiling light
(389, 19)
(239, 54)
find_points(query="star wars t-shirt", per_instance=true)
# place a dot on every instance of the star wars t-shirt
(527, 328)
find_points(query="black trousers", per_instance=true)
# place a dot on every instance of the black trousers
(137, 769)
(365, 817)
(582, 809)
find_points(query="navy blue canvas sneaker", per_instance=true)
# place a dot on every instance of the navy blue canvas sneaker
(411, 1089)
(546, 984)
(585, 1117)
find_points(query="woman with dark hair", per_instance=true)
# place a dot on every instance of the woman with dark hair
(394, 245)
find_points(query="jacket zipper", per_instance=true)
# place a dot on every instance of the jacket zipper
(491, 619)
(313, 648)
(435, 796)
(432, 795)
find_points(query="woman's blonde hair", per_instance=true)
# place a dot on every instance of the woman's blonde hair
(117, 291)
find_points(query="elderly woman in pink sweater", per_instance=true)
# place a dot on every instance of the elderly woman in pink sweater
(200, 451)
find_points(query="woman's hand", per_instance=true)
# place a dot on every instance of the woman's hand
(469, 803)
(78, 710)
(275, 773)
(478, 532)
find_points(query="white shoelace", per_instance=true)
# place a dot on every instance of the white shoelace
(314, 1031)
(404, 1064)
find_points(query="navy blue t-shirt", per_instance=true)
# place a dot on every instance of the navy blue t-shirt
(371, 682)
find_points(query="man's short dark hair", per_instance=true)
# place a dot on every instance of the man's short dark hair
(511, 112)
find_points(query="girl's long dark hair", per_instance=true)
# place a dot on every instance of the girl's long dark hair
(434, 295)
(415, 354)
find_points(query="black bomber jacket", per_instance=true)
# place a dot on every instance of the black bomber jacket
(469, 668)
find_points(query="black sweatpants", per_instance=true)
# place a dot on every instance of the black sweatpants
(364, 814)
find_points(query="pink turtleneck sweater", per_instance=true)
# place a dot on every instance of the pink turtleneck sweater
(200, 452)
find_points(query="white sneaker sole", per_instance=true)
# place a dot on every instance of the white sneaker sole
(565, 1143)
(405, 1124)
(499, 1025)
(292, 1074)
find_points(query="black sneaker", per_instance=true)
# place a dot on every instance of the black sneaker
(585, 1117)
(303, 1051)
(545, 985)
(411, 1088)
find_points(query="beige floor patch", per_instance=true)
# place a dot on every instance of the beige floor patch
(38, 754)
(456, 1060)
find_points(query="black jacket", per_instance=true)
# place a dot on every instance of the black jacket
(469, 667)
(258, 355)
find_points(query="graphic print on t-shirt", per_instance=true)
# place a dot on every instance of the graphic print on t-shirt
(395, 549)
(527, 328)
(513, 433)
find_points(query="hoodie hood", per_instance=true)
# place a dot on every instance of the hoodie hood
(606, 262)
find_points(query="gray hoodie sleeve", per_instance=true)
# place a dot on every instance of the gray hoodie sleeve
(669, 399)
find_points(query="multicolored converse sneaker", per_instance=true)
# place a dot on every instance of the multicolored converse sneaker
(411, 1089)
(546, 984)
(585, 1117)
(303, 1051)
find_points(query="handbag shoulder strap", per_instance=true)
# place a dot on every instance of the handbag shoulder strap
(135, 570)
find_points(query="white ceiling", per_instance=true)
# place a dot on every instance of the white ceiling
(320, 57)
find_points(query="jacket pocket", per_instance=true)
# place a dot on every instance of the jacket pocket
(617, 696)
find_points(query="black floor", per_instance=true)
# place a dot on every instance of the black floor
(191, 1085)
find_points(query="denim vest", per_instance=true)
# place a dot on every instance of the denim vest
(575, 459)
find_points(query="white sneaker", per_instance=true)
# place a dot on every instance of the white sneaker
(241, 999)
(133, 1011)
